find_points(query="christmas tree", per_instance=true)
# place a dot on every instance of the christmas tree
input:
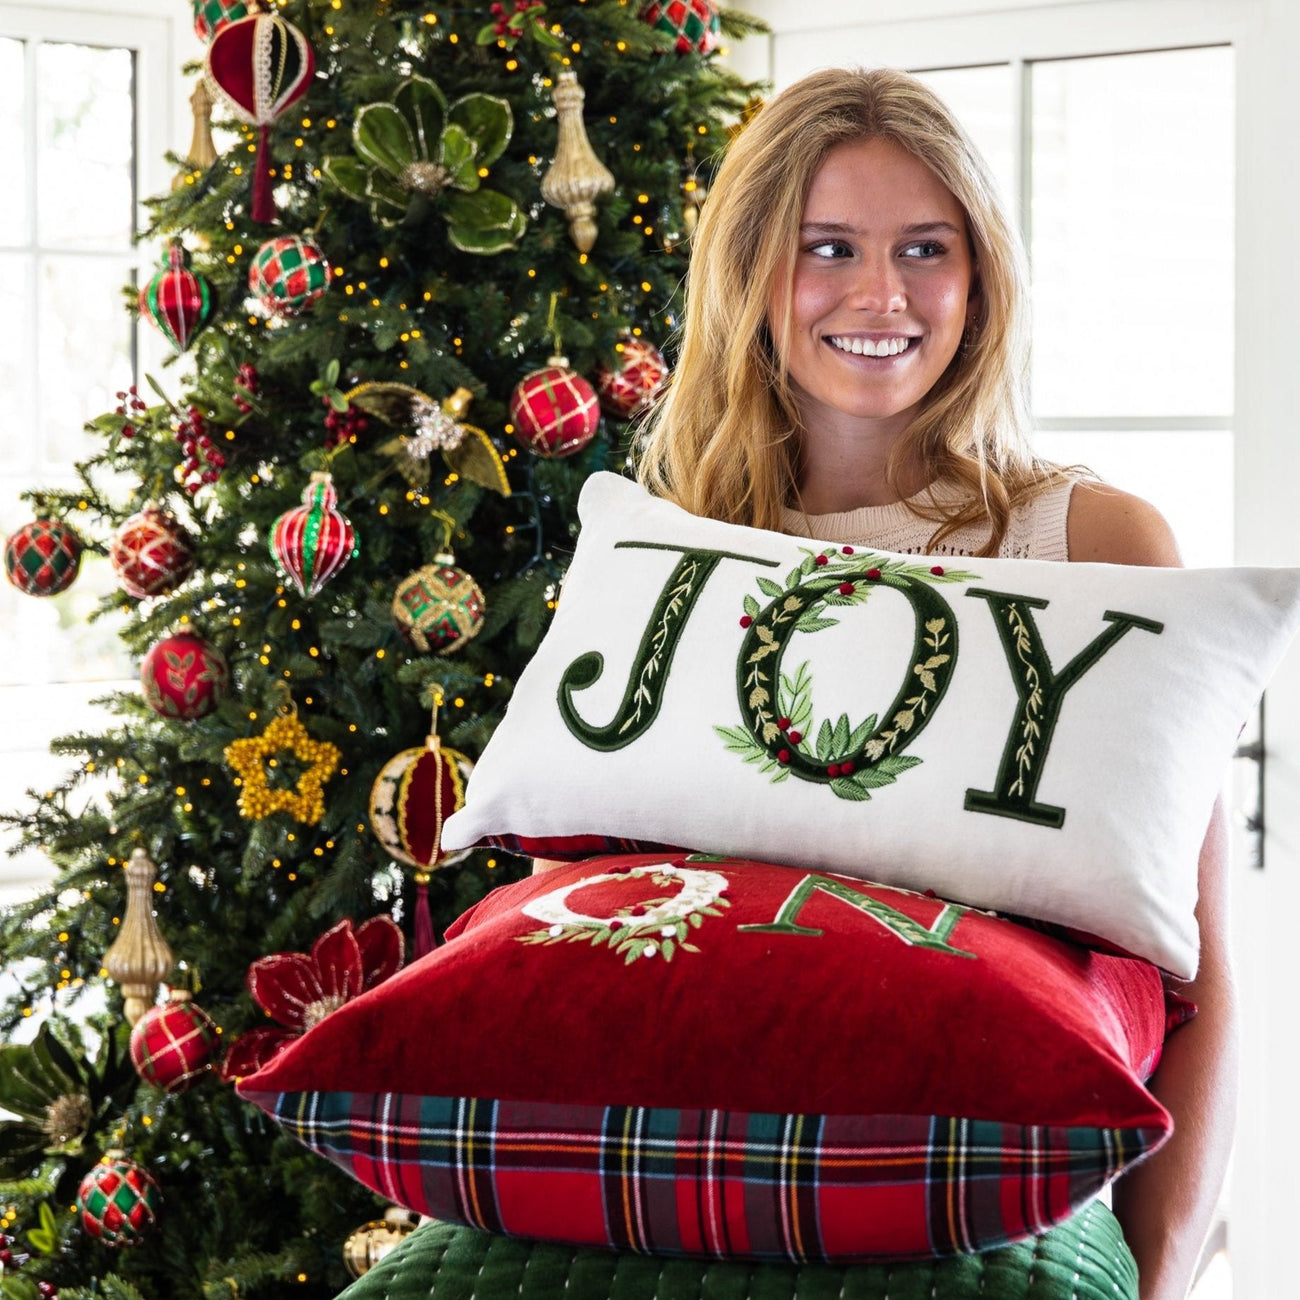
(356, 506)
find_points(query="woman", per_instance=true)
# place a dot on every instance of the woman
(853, 368)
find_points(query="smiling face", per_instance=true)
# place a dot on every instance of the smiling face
(882, 291)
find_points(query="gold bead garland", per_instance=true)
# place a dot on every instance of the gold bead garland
(256, 797)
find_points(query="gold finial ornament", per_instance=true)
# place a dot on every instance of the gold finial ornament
(139, 959)
(202, 152)
(576, 177)
(372, 1241)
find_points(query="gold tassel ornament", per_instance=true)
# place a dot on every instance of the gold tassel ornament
(576, 177)
(139, 959)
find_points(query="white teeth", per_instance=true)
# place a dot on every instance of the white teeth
(867, 348)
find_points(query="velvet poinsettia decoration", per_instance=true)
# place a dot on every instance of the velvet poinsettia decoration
(298, 989)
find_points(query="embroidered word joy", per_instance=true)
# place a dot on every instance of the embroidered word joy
(851, 759)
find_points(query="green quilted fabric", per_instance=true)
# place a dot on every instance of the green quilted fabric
(1084, 1258)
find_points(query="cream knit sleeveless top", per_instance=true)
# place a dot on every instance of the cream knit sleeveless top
(1036, 530)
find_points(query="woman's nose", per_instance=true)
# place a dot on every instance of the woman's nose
(878, 285)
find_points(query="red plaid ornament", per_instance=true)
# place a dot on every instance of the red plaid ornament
(260, 65)
(313, 541)
(151, 553)
(695, 23)
(119, 1201)
(42, 558)
(176, 300)
(173, 1046)
(629, 386)
(554, 410)
(210, 16)
(288, 275)
(184, 677)
(439, 607)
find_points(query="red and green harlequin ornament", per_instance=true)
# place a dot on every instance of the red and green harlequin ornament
(42, 558)
(119, 1201)
(151, 553)
(628, 387)
(174, 1045)
(210, 16)
(183, 676)
(554, 410)
(178, 301)
(313, 541)
(288, 275)
(439, 607)
(694, 23)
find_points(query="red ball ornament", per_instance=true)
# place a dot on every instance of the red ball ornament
(261, 65)
(554, 410)
(694, 23)
(119, 1201)
(151, 553)
(629, 386)
(413, 795)
(176, 300)
(42, 558)
(313, 541)
(288, 275)
(184, 677)
(173, 1046)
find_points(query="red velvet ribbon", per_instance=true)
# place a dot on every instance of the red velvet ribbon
(263, 209)
(424, 940)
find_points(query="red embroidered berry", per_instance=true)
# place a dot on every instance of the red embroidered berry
(638, 910)
(846, 550)
(822, 559)
(796, 737)
(929, 893)
(937, 570)
(833, 770)
(745, 620)
(616, 924)
(873, 575)
(846, 769)
(783, 723)
(846, 589)
(783, 756)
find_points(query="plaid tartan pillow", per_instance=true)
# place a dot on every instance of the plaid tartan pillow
(703, 1056)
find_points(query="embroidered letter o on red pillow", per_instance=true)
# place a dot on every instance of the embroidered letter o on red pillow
(712, 1057)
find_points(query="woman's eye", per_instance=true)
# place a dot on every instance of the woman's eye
(830, 248)
(926, 249)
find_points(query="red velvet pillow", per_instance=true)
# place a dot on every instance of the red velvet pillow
(706, 1056)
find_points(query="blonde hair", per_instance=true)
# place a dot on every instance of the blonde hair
(724, 441)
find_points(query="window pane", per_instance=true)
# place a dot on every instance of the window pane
(85, 348)
(1132, 234)
(13, 140)
(1187, 476)
(982, 100)
(17, 433)
(85, 124)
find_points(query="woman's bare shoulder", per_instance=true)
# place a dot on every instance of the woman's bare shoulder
(1108, 526)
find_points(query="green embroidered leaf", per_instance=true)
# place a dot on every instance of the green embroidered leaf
(825, 737)
(840, 740)
(872, 778)
(697, 919)
(806, 565)
(770, 588)
(897, 763)
(809, 622)
(847, 787)
(751, 607)
(861, 732)
(689, 947)
(666, 949)
(383, 138)
(781, 776)
(792, 578)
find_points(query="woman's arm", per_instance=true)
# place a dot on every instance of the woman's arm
(1166, 1204)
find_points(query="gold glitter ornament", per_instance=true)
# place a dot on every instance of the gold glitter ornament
(139, 959)
(251, 756)
(372, 1241)
(576, 178)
